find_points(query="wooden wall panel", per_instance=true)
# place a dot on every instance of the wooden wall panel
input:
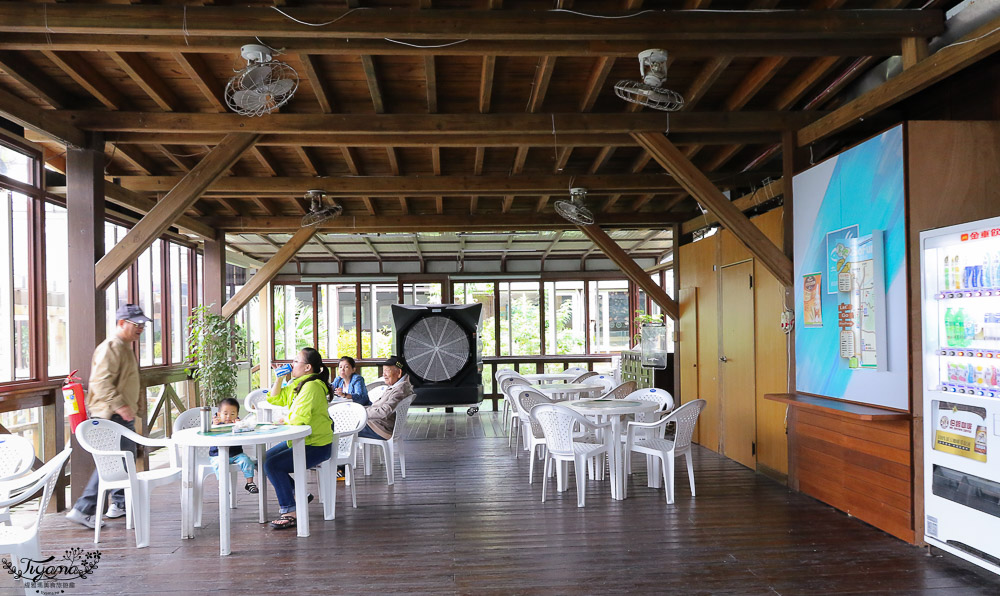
(687, 348)
(697, 271)
(860, 467)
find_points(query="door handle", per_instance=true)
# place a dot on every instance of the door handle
(723, 359)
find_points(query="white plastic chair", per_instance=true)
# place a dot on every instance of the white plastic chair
(584, 376)
(375, 389)
(22, 542)
(576, 369)
(534, 437)
(604, 381)
(348, 420)
(508, 386)
(203, 464)
(17, 455)
(390, 447)
(621, 391)
(116, 469)
(252, 399)
(685, 418)
(558, 423)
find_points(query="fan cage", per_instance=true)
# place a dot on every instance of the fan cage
(436, 348)
(261, 88)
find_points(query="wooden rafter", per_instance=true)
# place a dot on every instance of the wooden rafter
(14, 64)
(268, 271)
(89, 78)
(143, 75)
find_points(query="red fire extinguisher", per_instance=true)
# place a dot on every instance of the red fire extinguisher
(74, 405)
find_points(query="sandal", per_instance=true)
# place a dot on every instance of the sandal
(285, 521)
(251, 488)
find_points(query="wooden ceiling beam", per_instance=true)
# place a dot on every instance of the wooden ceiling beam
(48, 123)
(426, 185)
(166, 212)
(317, 82)
(461, 139)
(631, 269)
(416, 24)
(747, 201)
(486, 83)
(265, 274)
(430, 79)
(444, 124)
(700, 187)
(143, 75)
(201, 75)
(313, 165)
(975, 46)
(89, 78)
(595, 82)
(134, 155)
(35, 81)
(368, 65)
(510, 222)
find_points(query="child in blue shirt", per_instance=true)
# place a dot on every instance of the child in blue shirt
(229, 410)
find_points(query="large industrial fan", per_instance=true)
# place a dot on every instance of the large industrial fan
(439, 344)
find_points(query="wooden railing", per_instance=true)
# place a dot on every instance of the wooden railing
(45, 431)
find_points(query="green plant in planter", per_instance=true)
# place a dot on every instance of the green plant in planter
(216, 345)
(642, 318)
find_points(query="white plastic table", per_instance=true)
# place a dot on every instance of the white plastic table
(551, 377)
(613, 409)
(568, 391)
(268, 412)
(193, 437)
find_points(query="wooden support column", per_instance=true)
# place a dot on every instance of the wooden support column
(631, 269)
(266, 327)
(914, 50)
(788, 149)
(268, 271)
(214, 271)
(706, 193)
(85, 241)
(166, 212)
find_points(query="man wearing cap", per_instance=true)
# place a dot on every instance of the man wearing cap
(113, 395)
(382, 412)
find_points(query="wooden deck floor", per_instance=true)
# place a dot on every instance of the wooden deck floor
(465, 521)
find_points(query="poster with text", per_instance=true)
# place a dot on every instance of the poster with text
(812, 301)
(838, 254)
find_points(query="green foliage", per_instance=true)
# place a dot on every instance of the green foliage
(215, 346)
(303, 313)
(642, 318)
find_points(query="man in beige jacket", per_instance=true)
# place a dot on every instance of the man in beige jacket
(382, 412)
(113, 395)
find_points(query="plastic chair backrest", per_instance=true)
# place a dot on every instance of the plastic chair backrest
(253, 398)
(504, 372)
(374, 384)
(557, 423)
(621, 391)
(191, 418)
(27, 486)
(512, 381)
(527, 399)
(584, 376)
(375, 390)
(685, 417)
(576, 369)
(98, 434)
(603, 380)
(399, 428)
(654, 394)
(17, 455)
(347, 418)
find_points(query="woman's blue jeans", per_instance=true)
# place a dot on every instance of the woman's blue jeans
(278, 465)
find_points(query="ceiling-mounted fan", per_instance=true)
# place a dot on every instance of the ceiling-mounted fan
(574, 209)
(653, 69)
(319, 210)
(263, 86)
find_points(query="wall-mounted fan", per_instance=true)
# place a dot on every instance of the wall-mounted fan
(574, 209)
(263, 86)
(653, 70)
(319, 210)
(438, 343)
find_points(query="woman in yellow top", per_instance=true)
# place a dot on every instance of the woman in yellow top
(305, 396)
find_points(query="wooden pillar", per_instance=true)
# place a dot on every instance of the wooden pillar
(788, 150)
(265, 296)
(214, 269)
(85, 239)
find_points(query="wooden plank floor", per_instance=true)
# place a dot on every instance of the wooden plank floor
(465, 521)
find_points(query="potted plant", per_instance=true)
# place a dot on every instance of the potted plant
(215, 346)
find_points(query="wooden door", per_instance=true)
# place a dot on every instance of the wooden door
(687, 349)
(736, 364)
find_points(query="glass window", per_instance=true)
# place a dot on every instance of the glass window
(179, 307)
(199, 270)
(148, 269)
(16, 165)
(337, 321)
(15, 339)
(565, 323)
(519, 319)
(422, 293)
(609, 316)
(293, 320)
(377, 342)
(56, 281)
(482, 293)
(117, 292)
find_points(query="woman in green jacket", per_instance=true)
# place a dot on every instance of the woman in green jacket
(305, 396)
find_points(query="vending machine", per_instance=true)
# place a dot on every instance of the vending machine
(960, 287)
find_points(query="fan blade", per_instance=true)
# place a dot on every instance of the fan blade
(257, 75)
(278, 88)
(248, 99)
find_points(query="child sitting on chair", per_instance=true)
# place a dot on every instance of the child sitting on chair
(229, 410)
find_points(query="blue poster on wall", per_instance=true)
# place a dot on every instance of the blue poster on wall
(838, 202)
